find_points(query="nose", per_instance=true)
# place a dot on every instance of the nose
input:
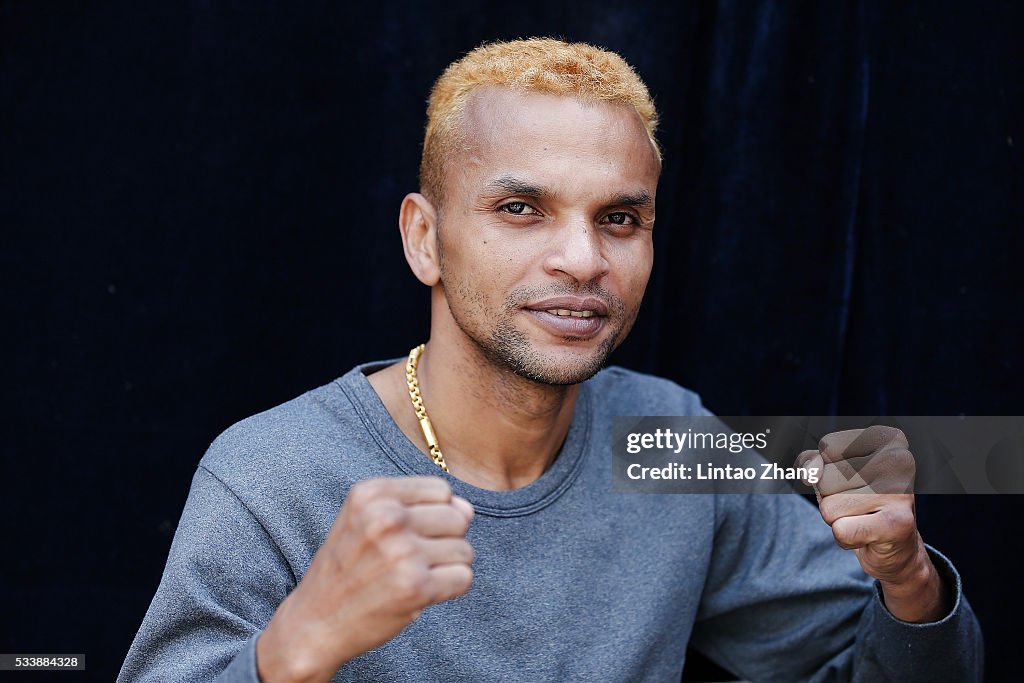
(576, 250)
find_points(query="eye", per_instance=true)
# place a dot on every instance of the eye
(515, 208)
(621, 218)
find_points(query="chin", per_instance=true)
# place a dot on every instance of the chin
(561, 377)
(560, 366)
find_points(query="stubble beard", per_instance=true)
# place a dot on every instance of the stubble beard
(509, 347)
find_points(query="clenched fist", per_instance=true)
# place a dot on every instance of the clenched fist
(865, 493)
(397, 546)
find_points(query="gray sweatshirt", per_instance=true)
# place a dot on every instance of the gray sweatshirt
(572, 582)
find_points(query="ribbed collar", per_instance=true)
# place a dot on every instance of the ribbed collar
(522, 501)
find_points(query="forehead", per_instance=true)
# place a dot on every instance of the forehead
(555, 139)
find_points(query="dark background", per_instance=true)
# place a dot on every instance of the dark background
(198, 204)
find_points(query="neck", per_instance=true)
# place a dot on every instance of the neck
(497, 430)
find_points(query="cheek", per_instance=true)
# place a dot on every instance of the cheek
(484, 264)
(633, 263)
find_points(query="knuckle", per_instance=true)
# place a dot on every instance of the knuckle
(464, 579)
(885, 436)
(441, 485)
(457, 581)
(805, 457)
(461, 523)
(410, 584)
(841, 534)
(383, 520)
(892, 520)
(450, 522)
(356, 497)
(467, 552)
(398, 549)
(850, 533)
(876, 431)
(435, 485)
(903, 523)
(829, 511)
(363, 493)
(833, 443)
(904, 461)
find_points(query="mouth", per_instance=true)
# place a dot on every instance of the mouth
(569, 312)
(570, 318)
(577, 307)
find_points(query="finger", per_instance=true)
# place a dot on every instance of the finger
(888, 471)
(437, 519)
(449, 581)
(855, 532)
(854, 443)
(804, 459)
(810, 462)
(440, 551)
(851, 504)
(886, 530)
(465, 506)
(378, 519)
(409, 490)
(810, 465)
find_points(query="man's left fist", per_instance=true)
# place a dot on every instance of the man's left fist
(865, 493)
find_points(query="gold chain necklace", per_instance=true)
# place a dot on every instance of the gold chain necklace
(421, 410)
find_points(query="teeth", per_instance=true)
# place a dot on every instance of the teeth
(567, 312)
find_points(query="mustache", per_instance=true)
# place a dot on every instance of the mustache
(523, 295)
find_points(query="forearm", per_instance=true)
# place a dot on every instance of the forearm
(294, 649)
(920, 595)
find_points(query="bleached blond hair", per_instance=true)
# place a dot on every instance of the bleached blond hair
(542, 65)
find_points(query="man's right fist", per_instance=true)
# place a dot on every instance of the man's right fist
(397, 545)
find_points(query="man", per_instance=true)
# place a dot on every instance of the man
(449, 516)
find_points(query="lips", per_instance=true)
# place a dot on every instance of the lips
(571, 318)
(567, 305)
(565, 311)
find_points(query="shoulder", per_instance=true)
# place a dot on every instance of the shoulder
(275, 437)
(627, 392)
(321, 435)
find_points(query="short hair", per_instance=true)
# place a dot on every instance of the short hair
(542, 65)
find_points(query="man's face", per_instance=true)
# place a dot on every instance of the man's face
(545, 232)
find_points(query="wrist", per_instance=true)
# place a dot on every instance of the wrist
(919, 595)
(284, 653)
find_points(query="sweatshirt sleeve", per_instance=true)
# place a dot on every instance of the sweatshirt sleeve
(223, 580)
(784, 603)
(948, 649)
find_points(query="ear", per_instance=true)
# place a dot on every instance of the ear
(417, 220)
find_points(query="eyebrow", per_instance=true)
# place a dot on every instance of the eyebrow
(640, 199)
(513, 185)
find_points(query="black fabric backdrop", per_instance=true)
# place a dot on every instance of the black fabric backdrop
(199, 206)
